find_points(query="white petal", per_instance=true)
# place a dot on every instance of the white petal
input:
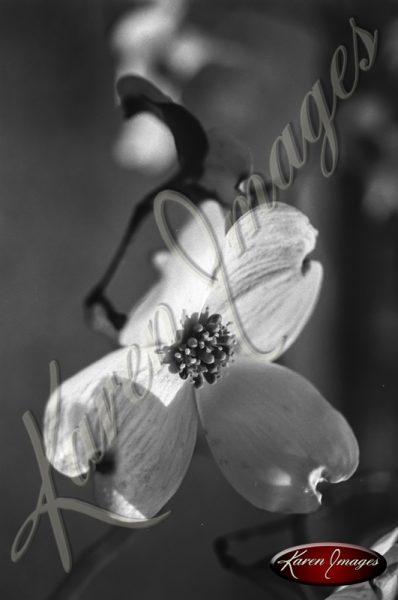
(145, 30)
(146, 143)
(150, 456)
(86, 413)
(275, 437)
(271, 292)
(179, 287)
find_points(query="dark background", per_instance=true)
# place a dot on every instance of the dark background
(65, 201)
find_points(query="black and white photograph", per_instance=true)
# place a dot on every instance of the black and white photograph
(199, 300)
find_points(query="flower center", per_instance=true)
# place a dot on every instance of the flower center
(204, 347)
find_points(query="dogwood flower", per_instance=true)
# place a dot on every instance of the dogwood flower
(136, 411)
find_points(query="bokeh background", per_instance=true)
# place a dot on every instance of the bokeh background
(70, 173)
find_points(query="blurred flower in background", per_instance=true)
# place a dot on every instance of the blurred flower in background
(372, 149)
(154, 41)
(380, 199)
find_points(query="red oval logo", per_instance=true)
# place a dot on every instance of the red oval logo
(328, 563)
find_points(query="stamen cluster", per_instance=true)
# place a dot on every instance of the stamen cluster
(203, 348)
